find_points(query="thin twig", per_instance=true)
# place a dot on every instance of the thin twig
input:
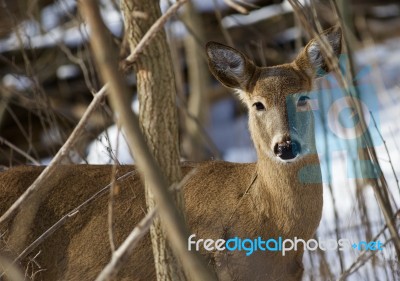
(241, 198)
(379, 185)
(64, 219)
(387, 150)
(225, 33)
(171, 219)
(35, 186)
(110, 215)
(10, 270)
(364, 257)
(237, 7)
(18, 150)
(151, 33)
(126, 248)
(200, 127)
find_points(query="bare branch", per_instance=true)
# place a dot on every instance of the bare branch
(379, 185)
(65, 218)
(225, 33)
(237, 7)
(30, 200)
(20, 151)
(10, 270)
(157, 26)
(119, 256)
(365, 255)
(126, 248)
(172, 221)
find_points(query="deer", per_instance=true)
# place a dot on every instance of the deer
(222, 200)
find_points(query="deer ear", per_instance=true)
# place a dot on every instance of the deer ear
(312, 59)
(232, 68)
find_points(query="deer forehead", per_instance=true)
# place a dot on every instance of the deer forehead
(276, 83)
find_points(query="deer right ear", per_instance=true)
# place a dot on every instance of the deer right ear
(229, 66)
(312, 60)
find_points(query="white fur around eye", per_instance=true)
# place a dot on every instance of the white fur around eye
(242, 95)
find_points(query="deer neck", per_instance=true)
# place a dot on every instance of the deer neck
(294, 206)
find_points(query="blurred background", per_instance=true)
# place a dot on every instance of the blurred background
(48, 78)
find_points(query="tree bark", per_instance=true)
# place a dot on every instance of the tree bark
(158, 118)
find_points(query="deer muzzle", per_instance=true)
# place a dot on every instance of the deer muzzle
(287, 150)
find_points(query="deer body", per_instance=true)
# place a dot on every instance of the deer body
(223, 200)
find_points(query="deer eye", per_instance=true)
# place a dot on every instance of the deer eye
(259, 106)
(303, 100)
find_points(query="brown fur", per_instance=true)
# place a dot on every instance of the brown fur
(217, 205)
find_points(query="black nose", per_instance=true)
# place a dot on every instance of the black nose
(287, 150)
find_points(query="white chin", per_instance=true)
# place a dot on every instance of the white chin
(288, 160)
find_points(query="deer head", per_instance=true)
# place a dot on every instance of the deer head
(265, 89)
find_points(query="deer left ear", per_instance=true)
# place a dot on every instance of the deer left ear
(312, 56)
(232, 68)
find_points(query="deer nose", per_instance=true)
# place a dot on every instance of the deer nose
(287, 150)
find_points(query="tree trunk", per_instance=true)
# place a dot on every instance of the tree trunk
(158, 117)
